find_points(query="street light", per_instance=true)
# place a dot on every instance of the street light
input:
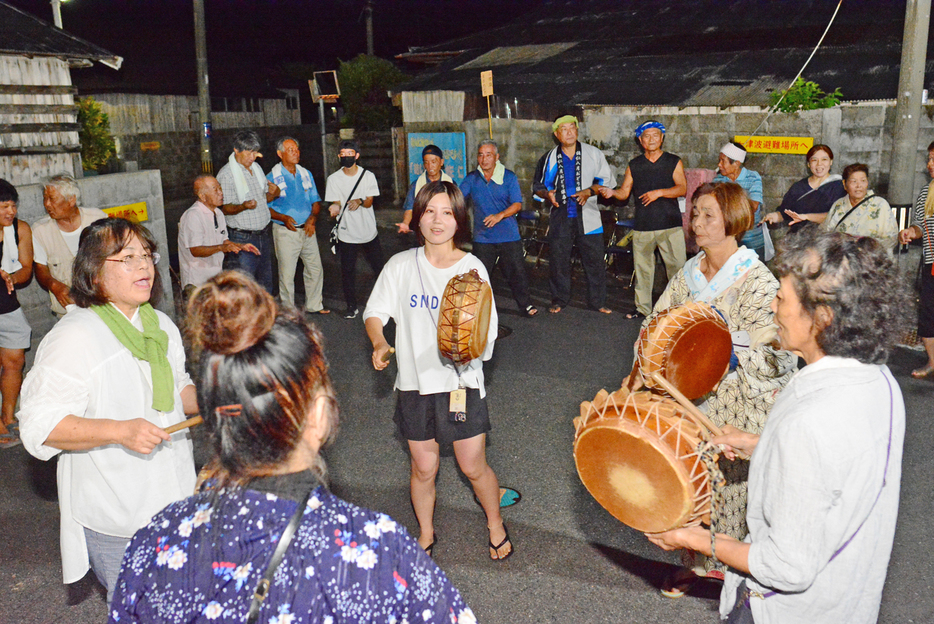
(57, 12)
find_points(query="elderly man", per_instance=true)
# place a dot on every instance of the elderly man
(730, 169)
(568, 178)
(248, 219)
(656, 179)
(493, 190)
(350, 191)
(202, 236)
(433, 162)
(55, 238)
(294, 215)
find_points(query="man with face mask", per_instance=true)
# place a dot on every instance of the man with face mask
(433, 162)
(350, 192)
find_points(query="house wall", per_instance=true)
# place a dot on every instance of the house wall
(27, 103)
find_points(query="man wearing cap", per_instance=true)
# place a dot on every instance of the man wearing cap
(568, 178)
(433, 162)
(350, 191)
(493, 191)
(294, 215)
(248, 220)
(731, 169)
(657, 180)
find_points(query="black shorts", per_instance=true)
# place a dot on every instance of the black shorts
(422, 417)
(926, 304)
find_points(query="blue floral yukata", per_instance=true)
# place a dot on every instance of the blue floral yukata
(199, 561)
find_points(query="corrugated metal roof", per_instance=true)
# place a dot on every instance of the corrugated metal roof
(681, 53)
(25, 35)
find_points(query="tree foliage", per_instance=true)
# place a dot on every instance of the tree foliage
(365, 82)
(804, 96)
(97, 146)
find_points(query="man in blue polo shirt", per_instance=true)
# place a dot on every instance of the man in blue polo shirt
(494, 193)
(730, 168)
(294, 213)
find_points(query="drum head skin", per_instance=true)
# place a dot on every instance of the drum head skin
(464, 318)
(637, 456)
(689, 345)
(633, 478)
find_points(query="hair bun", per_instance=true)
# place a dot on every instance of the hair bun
(230, 313)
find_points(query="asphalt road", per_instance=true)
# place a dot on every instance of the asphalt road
(573, 561)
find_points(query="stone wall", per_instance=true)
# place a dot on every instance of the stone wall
(103, 191)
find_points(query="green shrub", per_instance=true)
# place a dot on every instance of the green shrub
(365, 82)
(804, 96)
(97, 146)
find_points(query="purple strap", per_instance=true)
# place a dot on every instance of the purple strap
(885, 472)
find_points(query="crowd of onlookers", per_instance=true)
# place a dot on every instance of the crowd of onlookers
(110, 381)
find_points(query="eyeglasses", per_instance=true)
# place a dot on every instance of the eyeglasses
(133, 262)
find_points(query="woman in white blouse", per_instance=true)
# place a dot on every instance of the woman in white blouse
(107, 380)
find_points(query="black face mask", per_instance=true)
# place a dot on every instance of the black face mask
(348, 161)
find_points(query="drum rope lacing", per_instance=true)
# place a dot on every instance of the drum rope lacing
(460, 382)
(709, 454)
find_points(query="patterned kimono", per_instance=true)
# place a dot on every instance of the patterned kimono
(742, 291)
(873, 218)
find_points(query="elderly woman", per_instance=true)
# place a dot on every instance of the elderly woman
(825, 473)
(269, 407)
(862, 212)
(734, 281)
(810, 199)
(107, 379)
(923, 228)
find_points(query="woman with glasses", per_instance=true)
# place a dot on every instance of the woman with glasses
(107, 380)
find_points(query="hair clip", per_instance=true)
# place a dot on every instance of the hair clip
(231, 411)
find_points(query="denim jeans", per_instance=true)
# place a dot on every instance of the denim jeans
(259, 267)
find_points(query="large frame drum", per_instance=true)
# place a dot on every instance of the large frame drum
(464, 318)
(637, 456)
(689, 345)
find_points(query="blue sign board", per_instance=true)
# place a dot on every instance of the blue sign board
(451, 143)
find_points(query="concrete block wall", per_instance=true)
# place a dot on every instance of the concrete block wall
(104, 191)
(856, 132)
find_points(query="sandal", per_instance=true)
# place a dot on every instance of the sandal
(555, 308)
(923, 372)
(430, 547)
(678, 583)
(635, 315)
(529, 311)
(494, 549)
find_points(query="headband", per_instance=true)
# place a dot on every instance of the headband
(560, 121)
(433, 150)
(731, 151)
(649, 124)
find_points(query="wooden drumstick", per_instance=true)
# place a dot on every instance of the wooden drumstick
(388, 355)
(191, 422)
(696, 415)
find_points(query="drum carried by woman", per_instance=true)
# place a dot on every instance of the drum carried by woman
(733, 281)
(825, 474)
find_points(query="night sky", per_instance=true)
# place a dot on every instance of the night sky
(252, 42)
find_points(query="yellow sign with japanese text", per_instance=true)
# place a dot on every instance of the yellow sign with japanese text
(775, 144)
(486, 83)
(150, 146)
(137, 212)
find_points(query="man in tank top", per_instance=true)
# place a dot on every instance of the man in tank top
(656, 180)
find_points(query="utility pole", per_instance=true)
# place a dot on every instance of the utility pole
(57, 12)
(368, 10)
(908, 108)
(204, 95)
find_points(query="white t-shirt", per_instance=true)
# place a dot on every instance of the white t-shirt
(357, 226)
(198, 227)
(410, 294)
(71, 240)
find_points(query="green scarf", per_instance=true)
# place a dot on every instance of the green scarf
(151, 345)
